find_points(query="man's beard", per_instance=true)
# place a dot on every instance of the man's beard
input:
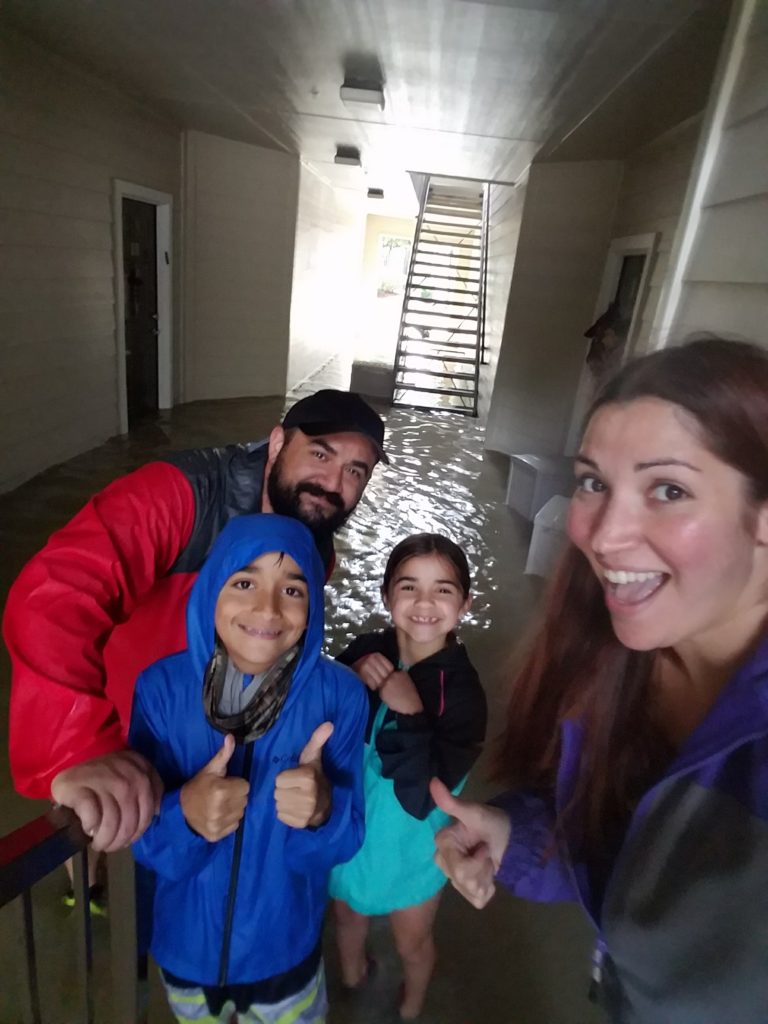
(285, 499)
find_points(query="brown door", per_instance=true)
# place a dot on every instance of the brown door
(140, 281)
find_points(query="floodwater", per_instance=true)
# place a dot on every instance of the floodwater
(430, 486)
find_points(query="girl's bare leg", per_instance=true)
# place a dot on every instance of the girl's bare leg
(351, 933)
(412, 929)
(93, 868)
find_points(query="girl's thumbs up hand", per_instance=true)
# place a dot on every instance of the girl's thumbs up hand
(469, 851)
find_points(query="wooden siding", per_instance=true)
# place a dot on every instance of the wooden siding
(651, 199)
(64, 137)
(725, 284)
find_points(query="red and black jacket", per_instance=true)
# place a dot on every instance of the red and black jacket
(106, 597)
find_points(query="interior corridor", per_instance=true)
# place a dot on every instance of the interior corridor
(514, 962)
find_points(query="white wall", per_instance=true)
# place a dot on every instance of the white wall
(375, 334)
(504, 218)
(725, 283)
(239, 226)
(567, 221)
(330, 230)
(651, 199)
(63, 137)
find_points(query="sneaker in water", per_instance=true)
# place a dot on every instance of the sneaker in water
(97, 900)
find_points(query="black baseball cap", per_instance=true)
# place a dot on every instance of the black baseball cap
(337, 412)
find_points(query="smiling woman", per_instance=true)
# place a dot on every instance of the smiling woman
(637, 732)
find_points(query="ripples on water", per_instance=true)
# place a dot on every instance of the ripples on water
(436, 461)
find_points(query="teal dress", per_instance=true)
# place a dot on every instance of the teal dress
(395, 866)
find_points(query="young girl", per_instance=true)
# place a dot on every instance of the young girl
(427, 718)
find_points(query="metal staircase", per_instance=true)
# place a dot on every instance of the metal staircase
(440, 345)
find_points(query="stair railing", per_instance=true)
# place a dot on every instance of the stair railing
(34, 851)
(409, 278)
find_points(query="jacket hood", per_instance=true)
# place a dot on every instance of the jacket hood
(241, 541)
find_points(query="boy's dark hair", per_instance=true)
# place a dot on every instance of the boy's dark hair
(428, 544)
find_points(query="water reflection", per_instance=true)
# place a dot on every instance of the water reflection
(430, 486)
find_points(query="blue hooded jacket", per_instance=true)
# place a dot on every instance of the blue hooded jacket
(283, 876)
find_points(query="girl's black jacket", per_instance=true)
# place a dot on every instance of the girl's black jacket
(443, 740)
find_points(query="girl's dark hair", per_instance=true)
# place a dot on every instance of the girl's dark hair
(575, 666)
(428, 544)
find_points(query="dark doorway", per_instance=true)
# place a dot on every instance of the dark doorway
(140, 281)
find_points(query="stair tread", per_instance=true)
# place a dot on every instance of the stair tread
(449, 330)
(447, 255)
(475, 247)
(441, 344)
(452, 291)
(465, 361)
(464, 392)
(456, 375)
(439, 316)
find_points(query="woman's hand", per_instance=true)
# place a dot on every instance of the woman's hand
(470, 850)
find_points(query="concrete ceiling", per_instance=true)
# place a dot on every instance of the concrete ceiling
(473, 89)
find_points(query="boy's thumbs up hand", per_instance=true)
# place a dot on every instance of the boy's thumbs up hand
(218, 763)
(312, 753)
(469, 851)
(303, 794)
(211, 802)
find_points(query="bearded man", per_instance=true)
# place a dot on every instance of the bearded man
(106, 597)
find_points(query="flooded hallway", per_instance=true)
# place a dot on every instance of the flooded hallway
(439, 480)
(469, 211)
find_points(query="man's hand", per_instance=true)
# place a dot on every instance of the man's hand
(303, 794)
(470, 850)
(114, 796)
(374, 670)
(212, 803)
(399, 694)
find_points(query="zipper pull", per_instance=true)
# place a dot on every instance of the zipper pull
(596, 972)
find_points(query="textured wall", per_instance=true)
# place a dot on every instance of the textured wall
(240, 219)
(63, 137)
(566, 228)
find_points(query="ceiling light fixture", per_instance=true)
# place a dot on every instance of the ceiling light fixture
(349, 155)
(355, 91)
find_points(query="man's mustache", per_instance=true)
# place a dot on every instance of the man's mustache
(332, 497)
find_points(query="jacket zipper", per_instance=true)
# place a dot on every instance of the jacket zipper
(234, 872)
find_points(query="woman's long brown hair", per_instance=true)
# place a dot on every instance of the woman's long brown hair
(575, 667)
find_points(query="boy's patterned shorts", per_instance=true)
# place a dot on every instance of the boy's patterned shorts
(309, 1006)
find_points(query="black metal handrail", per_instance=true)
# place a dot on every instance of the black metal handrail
(29, 854)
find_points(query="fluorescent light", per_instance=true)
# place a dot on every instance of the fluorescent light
(362, 92)
(349, 155)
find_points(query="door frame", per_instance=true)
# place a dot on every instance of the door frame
(163, 203)
(629, 245)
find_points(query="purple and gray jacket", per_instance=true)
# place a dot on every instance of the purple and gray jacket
(682, 927)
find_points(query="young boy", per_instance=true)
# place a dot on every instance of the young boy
(258, 740)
